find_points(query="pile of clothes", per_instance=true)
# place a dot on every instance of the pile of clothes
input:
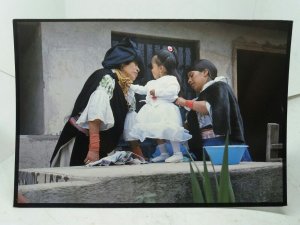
(118, 157)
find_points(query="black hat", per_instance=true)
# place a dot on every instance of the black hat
(123, 52)
(205, 64)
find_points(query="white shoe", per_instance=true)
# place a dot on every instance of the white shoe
(161, 158)
(177, 157)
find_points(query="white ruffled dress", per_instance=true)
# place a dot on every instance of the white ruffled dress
(159, 118)
(130, 119)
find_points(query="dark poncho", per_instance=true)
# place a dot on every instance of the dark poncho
(225, 116)
(110, 137)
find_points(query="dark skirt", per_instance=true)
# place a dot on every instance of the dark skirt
(109, 140)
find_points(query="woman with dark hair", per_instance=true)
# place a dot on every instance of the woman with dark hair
(160, 118)
(97, 120)
(214, 112)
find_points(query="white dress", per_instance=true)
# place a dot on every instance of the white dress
(159, 118)
(130, 119)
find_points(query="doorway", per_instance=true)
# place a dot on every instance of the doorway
(262, 84)
(29, 79)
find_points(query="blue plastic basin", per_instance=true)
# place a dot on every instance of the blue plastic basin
(235, 153)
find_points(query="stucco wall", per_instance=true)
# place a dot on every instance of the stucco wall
(73, 50)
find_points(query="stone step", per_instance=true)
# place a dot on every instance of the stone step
(253, 182)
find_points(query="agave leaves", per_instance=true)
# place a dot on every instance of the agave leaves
(203, 192)
(196, 189)
(225, 193)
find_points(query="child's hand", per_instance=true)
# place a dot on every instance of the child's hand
(152, 92)
(180, 101)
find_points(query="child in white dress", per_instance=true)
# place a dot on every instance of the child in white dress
(160, 118)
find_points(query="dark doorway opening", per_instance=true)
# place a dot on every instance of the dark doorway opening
(262, 94)
(29, 78)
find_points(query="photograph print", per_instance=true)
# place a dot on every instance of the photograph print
(150, 113)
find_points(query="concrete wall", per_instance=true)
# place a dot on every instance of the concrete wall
(35, 151)
(73, 50)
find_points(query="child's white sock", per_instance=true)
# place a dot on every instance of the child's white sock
(175, 146)
(177, 154)
(162, 148)
(163, 154)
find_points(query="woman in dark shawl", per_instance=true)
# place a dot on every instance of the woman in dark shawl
(214, 112)
(97, 120)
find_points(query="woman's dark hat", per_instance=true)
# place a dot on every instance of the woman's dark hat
(205, 64)
(123, 52)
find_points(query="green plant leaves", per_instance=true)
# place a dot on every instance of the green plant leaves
(223, 189)
(225, 193)
(208, 192)
(196, 190)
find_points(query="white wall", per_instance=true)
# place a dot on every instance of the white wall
(233, 9)
(7, 117)
(22, 9)
(9, 10)
(197, 9)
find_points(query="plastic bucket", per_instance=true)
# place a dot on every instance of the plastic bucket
(235, 153)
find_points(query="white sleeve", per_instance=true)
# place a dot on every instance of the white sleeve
(142, 90)
(208, 107)
(98, 106)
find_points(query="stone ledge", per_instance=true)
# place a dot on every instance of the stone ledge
(253, 182)
(36, 150)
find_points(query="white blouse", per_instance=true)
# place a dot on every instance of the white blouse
(98, 106)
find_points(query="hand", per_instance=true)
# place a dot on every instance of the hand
(152, 92)
(92, 156)
(180, 101)
(94, 148)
